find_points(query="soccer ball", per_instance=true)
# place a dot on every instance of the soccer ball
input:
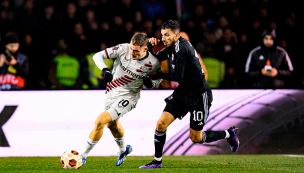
(71, 159)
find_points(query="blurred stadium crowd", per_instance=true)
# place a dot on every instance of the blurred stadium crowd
(222, 31)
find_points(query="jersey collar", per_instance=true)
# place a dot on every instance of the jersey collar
(144, 57)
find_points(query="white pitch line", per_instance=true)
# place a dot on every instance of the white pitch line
(291, 155)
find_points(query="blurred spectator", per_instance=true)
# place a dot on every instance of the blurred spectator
(105, 32)
(86, 23)
(104, 10)
(91, 75)
(138, 21)
(199, 14)
(152, 9)
(126, 9)
(227, 50)
(5, 23)
(69, 19)
(64, 69)
(255, 32)
(148, 28)
(128, 32)
(26, 18)
(268, 66)
(223, 24)
(14, 66)
(77, 41)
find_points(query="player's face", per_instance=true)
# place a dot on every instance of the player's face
(169, 37)
(137, 51)
(268, 41)
(12, 47)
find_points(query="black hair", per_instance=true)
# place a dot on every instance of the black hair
(171, 24)
(11, 37)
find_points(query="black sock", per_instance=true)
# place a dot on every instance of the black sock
(212, 136)
(159, 142)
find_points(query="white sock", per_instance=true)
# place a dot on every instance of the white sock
(158, 159)
(227, 134)
(89, 146)
(121, 144)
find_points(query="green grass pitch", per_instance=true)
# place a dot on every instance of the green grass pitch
(209, 163)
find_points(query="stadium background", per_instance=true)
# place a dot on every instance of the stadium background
(27, 114)
(90, 25)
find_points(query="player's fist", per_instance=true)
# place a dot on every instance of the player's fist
(154, 41)
(107, 75)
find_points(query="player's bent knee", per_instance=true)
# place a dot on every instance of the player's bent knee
(112, 125)
(161, 126)
(196, 139)
(100, 122)
(196, 136)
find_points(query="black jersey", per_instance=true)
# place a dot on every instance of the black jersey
(187, 70)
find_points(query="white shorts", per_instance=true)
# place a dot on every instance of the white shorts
(119, 106)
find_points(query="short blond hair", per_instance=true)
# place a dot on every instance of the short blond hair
(140, 39)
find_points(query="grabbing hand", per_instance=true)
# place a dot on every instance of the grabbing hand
(154, 41)
(107, 75)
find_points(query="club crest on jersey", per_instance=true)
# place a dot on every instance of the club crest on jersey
(145, 68)
(115, 47)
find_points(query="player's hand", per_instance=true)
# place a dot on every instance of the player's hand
(2, 60)
(154, 41)
(273, 72)
(107, 75)
(270, 73)
(147, 82)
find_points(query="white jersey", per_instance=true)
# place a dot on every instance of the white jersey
(127, 72)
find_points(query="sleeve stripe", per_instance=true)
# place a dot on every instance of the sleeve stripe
(249, 58)
(107, 54)
(287, 58)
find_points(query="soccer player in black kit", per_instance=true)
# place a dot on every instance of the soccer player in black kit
(192, 95)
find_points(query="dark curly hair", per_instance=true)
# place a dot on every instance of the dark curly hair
(171, 24)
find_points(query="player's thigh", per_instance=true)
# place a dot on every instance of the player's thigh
(199, 112)
(103, 119)
(164, 121)
(175, 105)
(120, 106)
(113, 124)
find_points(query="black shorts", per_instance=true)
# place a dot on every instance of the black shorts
(180, 104)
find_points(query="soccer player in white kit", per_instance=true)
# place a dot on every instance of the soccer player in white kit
(133, 63)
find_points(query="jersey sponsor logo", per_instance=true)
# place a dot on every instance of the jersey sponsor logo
(201, 123)
(134, 75)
